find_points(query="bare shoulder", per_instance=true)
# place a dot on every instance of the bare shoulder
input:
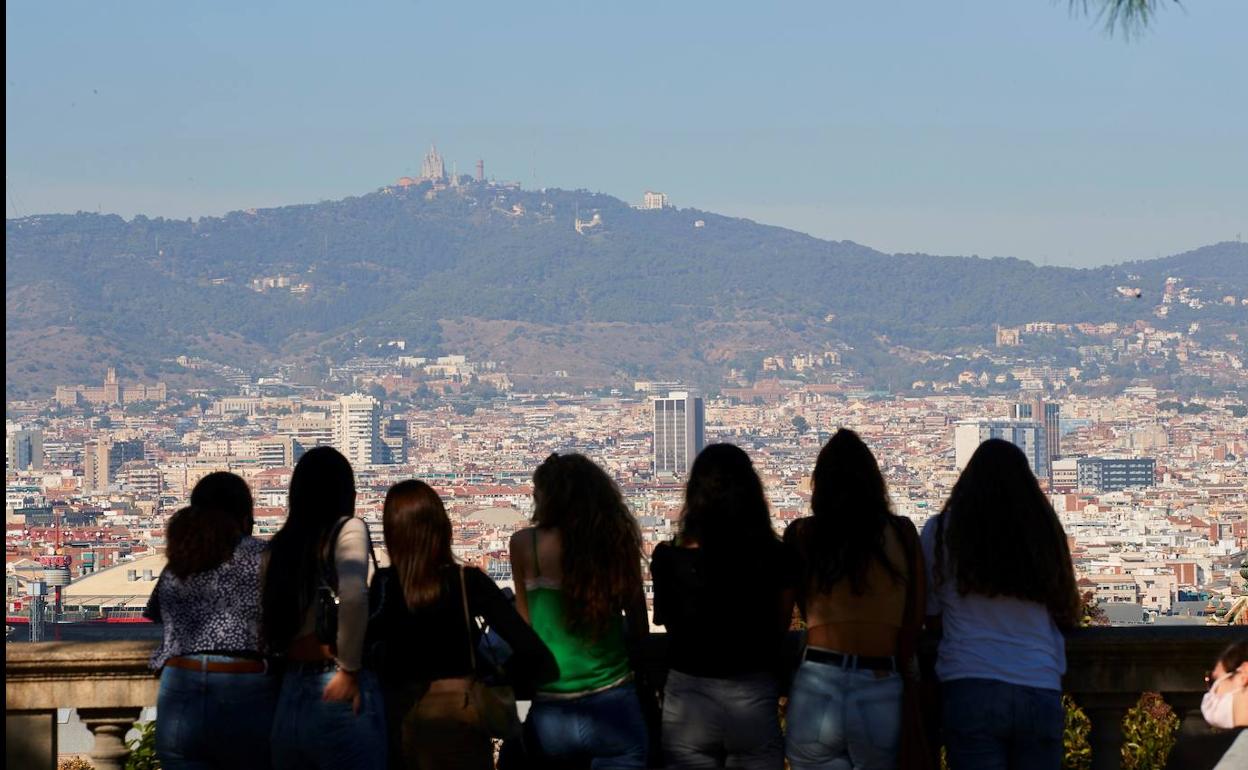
(520, 547)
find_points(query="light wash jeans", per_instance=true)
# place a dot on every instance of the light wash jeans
(606, 729)
(313, 734)
(729, 722)
(994, 725)
(843, 718)
(214, 719)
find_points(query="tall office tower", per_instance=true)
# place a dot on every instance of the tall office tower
(1024, 434)
(679, 432)
(24, 449)
(357, 429)
(101, 461)
(1049, 416)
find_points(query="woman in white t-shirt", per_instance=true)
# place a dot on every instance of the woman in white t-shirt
(1002, 588)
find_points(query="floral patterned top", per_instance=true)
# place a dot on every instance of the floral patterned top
(217, 610)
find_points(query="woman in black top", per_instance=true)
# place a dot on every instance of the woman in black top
(724, 589)
(422, 638)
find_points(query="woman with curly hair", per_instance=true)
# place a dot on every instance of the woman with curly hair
(578, 575)
(1002, 591)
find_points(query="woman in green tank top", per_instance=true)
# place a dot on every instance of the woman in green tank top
(578, 583)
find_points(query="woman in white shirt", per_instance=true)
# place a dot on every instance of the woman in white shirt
(1002, 588)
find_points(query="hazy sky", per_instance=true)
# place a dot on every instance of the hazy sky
(946, 126)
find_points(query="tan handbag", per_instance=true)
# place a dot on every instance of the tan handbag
(495, 703)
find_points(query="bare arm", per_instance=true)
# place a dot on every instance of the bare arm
(519, 569)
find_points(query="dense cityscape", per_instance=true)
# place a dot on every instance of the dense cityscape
(1152, 488)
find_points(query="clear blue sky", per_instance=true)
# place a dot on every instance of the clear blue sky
(983, 127)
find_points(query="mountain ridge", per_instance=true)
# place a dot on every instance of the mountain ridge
(402, 263)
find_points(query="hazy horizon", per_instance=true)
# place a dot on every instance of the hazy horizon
(974, 128)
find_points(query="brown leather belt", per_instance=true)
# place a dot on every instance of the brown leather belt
(237, 666)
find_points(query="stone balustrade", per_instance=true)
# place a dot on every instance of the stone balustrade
(108, 682)
(1108, 668)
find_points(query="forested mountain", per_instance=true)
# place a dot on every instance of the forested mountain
(458, 267)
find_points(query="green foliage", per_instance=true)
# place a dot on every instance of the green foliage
(1149, 732)
(1129, 17)
(1238, 410)
(143, 749)
(1077, 752)
(389, 266)
(801, 424)
(1091, 614)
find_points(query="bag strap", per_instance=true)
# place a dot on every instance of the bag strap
(329, 574)
(463, 596)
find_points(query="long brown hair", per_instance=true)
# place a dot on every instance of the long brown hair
(849, 500)
(418, 538)
(601, 557)
(199, 538)
(1000, 536)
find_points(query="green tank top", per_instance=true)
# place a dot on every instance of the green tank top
(585, 665)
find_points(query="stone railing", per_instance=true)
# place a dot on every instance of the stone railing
(108, 682)
(1108, 669)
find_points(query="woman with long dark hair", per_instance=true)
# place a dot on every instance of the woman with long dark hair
(578, 574)
(861, 594)
(425, 633)
(1003, 589)
(724, 590)
(329, 713)
(216, 696)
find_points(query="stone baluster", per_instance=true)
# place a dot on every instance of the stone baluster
(109, 727)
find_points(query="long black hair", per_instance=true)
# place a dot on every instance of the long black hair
(849, 500)
(601, 542)
(725, 509)
(322, 490)
(998, 535)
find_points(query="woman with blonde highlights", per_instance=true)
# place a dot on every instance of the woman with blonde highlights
(424, 637)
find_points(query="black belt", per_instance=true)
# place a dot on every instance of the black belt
(850, 661)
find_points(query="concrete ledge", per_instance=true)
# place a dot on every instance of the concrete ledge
(52, 675)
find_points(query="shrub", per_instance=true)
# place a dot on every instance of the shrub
(143, 749)
(1149, 732)
(1077, 752)
(74, 763)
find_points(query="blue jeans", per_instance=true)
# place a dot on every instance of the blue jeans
(312, 733)
(606, 728)
(214, 719)
(729, 722)
(843, 718)
(994, 725)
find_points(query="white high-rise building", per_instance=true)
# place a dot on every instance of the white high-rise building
(357, 429)
(1024, 434)
(679, 432)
